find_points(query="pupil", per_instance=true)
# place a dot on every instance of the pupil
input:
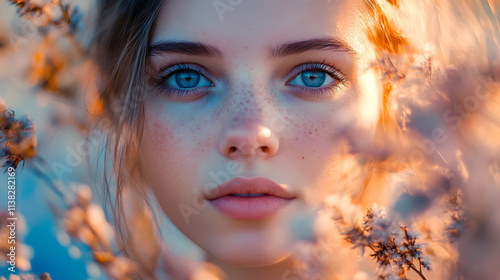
(313, 78)
(187, 79)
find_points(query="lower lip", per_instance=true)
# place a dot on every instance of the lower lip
(249, 208)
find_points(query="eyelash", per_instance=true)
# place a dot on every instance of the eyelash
(330, 70)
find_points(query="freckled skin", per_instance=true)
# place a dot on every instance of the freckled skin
(185, 142)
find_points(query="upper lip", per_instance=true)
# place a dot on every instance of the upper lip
(240, 185)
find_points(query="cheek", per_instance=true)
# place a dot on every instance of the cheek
(321, 141)
(170, 144)
(175, 137)
(319, 148)
(316, 130)
(171, 150)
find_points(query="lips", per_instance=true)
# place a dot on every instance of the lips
(249, 199)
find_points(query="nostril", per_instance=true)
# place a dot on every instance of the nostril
(265, 149)
(232, 149)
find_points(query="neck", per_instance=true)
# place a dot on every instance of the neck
(274, 271)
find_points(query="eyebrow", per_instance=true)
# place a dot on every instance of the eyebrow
(286, 49)
(325, 43)
(184, 47)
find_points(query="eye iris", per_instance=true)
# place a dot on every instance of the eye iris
(313, 78)
(187, 78)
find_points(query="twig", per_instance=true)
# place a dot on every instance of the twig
(412, 266)
(38, 171)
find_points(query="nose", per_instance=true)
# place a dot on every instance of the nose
(249, 140)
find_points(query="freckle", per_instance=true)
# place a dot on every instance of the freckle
(310, 132)
(302, 157)
(316, 130)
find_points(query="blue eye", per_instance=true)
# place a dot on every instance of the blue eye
(187, 79)
(315, 76)
(315, 80)
(184, 82)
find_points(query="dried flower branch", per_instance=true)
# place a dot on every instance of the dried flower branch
(392, 245)
(17, 138)
(85, 221)
(59, 52)
(18, 143)
(458, 216)
(43, 14)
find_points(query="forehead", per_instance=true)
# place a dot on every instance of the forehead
(256, 22)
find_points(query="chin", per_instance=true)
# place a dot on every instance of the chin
(253, 257)
(247, 253)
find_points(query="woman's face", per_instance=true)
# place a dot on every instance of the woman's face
(247, 89)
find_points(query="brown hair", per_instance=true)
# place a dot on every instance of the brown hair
(120, 50)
